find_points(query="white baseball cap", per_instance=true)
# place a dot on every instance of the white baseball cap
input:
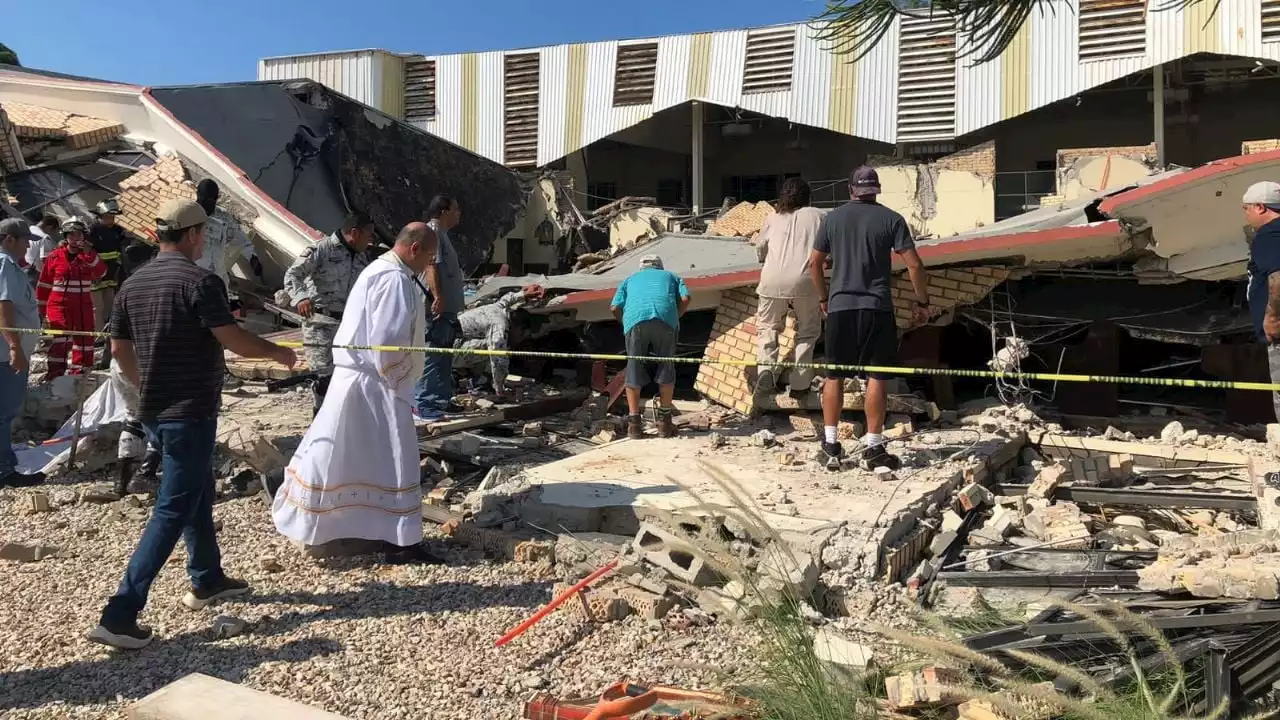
(1263, 193)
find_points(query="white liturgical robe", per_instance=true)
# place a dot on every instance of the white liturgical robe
(356, 473)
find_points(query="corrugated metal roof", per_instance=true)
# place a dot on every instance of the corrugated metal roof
(873, 99)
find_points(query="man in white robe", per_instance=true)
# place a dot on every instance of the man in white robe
(356, 473)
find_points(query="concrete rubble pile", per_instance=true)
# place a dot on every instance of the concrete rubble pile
(1173, 527)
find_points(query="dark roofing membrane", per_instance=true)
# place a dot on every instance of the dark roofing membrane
(73, 188)
(321, 154)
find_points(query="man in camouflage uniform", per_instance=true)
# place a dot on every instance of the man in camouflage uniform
(318, 284)
(489, 328)
(225, 243)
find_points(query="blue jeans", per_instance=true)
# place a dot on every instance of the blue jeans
(13, 391)
(184, 507)
(434, 390)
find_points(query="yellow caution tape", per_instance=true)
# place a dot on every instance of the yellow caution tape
(877, 369)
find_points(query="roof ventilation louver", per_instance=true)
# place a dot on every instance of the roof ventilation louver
(419, 89)
(1112, 28)
(634, 74)
(769, 61)
(1270, 20)
(927, 78)
(520, 109)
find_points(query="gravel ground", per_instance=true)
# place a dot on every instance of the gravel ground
(359, 640)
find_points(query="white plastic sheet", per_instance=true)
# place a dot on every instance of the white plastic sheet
(108, 404)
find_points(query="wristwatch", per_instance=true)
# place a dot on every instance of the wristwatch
(923, 305)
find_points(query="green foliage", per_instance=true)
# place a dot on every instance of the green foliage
(7, 56)
(986, 27)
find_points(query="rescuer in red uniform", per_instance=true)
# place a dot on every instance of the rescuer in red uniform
(66, 303)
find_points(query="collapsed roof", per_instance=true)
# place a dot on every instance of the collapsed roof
(292, 157)
(1169, 227)
(320, 154)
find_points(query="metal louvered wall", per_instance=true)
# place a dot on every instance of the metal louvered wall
(634, 75)
(1112, 28)
(770, 60)
(419, 89)
(1270, 20)
(927, 79)
(520, 109)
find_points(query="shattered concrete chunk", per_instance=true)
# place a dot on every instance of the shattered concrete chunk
(830, 647)
(1062, 524)
(24, 553)
(1047, 481)
(973, 496)
(923, 688)
(99, 495)
(36, 502)
(763, 438)
(1171, 433)
(227, 626)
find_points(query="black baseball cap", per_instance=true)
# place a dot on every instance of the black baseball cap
(864, 181)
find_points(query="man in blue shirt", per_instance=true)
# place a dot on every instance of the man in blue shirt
(649, 304)
(17, 310)
(1262, 213)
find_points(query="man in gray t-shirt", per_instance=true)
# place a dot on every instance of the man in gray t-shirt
(860, 238)
(434, 392)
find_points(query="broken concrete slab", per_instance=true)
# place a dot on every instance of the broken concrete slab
(200, 697)
(25, 553)
(830, 647)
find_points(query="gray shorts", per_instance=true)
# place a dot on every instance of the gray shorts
(650, 338)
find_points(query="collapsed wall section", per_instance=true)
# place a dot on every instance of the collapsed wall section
(142, 194)
(951, 195)
(733, 336)
(1085, 171)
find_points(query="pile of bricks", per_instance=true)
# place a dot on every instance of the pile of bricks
(77, 131)
(142, 194)
(733, 337)
(10, 151)
(743, 220)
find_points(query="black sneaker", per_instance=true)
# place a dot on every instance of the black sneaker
(17, 479)
(835, 454)
(877, 456)
(124, 637)
(201, 598)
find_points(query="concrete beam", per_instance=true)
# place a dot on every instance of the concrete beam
(200, 697)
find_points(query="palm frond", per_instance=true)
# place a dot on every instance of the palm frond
(985, 28)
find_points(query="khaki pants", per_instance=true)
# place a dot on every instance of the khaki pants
(771, 319)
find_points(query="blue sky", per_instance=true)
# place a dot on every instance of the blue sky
(153, 42)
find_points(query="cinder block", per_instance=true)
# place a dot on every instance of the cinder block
(673, 554)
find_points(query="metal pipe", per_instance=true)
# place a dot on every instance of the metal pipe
(695, 145)
(1157, 100)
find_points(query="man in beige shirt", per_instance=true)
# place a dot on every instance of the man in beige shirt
(783, 245)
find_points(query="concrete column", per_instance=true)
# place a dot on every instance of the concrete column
(1157, 101)
(696, 153)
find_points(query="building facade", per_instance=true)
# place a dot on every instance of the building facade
(692, 119)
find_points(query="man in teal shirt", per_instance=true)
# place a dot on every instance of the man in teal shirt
(649, 304)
